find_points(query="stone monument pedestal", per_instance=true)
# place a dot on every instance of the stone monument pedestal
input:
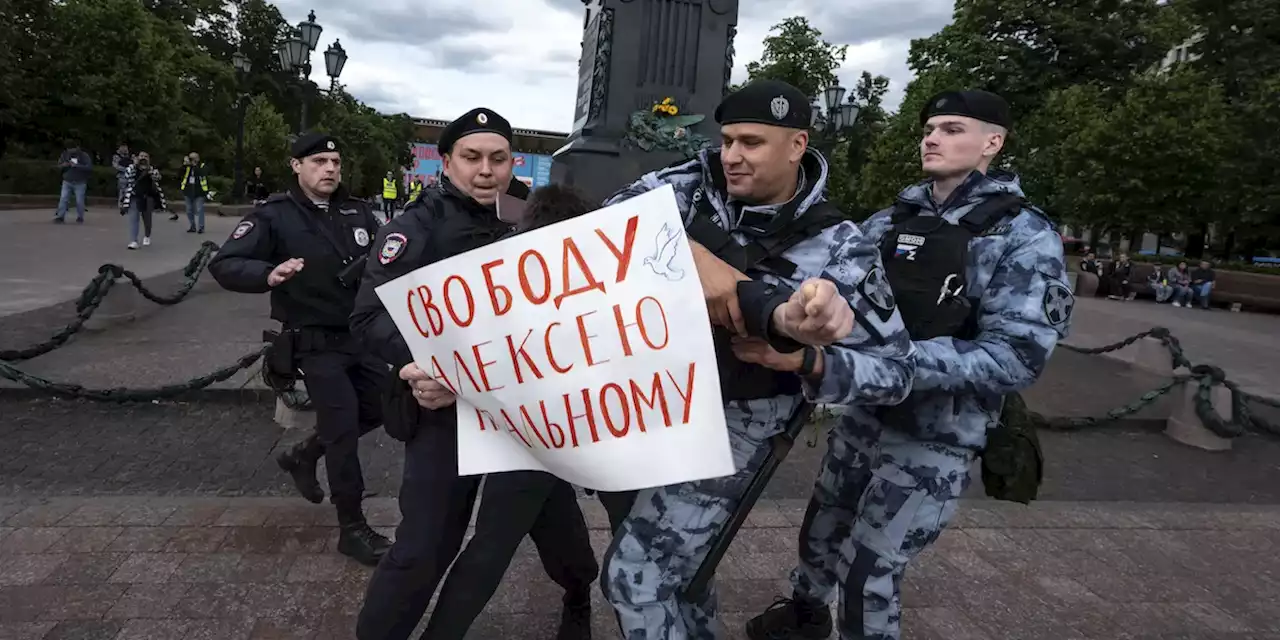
(678, 49)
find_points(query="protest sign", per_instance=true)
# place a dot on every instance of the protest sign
(582, 349)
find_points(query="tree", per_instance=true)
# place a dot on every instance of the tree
(799, 56)
(1113, 164)
(372, 143)
(1025, 49)
(1238, 43)
(266, 140)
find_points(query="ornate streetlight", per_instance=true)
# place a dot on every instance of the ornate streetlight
(836, 119)
(295, 60)
(243, 66)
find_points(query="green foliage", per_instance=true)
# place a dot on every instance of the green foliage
(662, 128)
(266, 140)
(158, 75)
(798, 55)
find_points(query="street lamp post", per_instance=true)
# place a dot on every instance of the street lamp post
(836, 118)
(243, 67)
(295, 60)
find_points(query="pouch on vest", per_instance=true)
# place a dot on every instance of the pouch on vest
(1013, 462)
(743, 380)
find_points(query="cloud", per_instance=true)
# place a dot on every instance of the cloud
(439, 59)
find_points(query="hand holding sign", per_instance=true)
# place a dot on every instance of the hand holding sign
(560, 347)
(284, 271)
(429, 393)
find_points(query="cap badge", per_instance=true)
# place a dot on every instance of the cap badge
(329, 145)
(482, 118)
(940, 103)
(779, 107)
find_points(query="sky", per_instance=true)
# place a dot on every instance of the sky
(440, 58)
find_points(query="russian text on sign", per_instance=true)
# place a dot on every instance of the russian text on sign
(582, 349)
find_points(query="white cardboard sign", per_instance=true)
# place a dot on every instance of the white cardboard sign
(582, 349)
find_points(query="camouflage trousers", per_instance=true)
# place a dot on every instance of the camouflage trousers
(662, 543)
(880, 499)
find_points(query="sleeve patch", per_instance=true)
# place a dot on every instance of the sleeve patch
(392, 247)
(242, 230)
(876, 290)
(1059, 302)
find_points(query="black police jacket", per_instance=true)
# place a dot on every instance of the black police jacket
(441, 223)
(288, 225)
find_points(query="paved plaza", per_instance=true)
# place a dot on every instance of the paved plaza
(168, 519)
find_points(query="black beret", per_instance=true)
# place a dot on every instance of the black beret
(767, 102)
(478, 120)
(973, 103)
(309, 144)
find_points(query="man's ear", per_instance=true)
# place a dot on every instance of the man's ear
(799, 144)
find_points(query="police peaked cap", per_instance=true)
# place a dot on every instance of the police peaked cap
(771, 102)
(478, 120)
(973, 103)
(310, 144)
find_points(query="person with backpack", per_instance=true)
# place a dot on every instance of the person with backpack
(981, 282)
(768, 249)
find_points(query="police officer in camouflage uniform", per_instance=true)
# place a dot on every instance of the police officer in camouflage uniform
(891, 480)
(762, 179)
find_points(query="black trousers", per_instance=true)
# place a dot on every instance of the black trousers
(515, 504)
(435, 509)
(388, 207)
(345, 386)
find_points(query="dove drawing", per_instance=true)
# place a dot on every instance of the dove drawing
(664, 254)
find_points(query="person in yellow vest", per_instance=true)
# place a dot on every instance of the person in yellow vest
(415, 188)
(390, 191)
(195, 189)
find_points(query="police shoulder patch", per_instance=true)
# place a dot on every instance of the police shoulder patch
(875, 289)
(1059, 302)
(392, 247)
(242, 229)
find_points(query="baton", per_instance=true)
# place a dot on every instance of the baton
(779, 446)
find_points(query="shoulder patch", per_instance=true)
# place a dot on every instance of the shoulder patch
(362, 236)
(876, 290)
(392, 247)
(242, 229)
(1059, 302)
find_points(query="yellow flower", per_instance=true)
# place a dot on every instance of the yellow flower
(666, 100)
(674, 110)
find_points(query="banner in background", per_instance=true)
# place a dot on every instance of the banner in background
(532, 169)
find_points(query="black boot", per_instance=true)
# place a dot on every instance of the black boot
(300, 462)
(357, 540)
(575, 617)
(791, 619)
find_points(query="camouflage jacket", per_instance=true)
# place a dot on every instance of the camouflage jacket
(1018, 272)
(874, 365)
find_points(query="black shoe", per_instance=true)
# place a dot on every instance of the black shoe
(360, 542)
(575, 617)
(173, 217)
(57, 220)
(788, 619)
(299, 461)
(191, 230)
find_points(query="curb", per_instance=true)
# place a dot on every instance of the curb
(212, 396)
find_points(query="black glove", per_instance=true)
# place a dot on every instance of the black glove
(758, 301)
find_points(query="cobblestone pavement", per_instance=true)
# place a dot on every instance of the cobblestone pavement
(231, 569)
(62, 448)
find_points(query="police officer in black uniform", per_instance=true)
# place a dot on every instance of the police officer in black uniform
(456, 216)
(308, 247)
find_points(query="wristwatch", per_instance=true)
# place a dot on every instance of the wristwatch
(810, 361)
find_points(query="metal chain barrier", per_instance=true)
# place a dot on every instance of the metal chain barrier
(1205, 376)
(121, 394)
(98, 288)
(286, 390)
